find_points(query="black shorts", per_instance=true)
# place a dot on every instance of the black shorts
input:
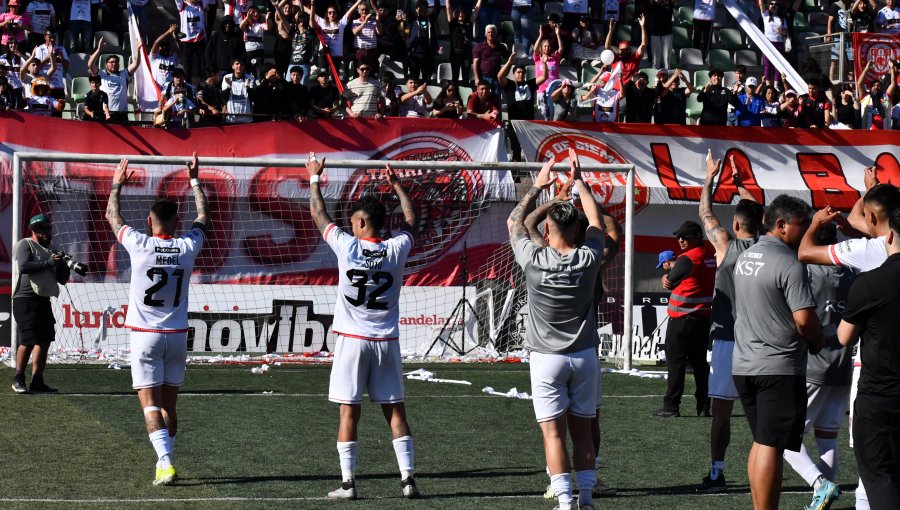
(34, 320)
(775, 406)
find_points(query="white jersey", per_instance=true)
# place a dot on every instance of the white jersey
(116, 87)
(193, 21)
(861, 255)
(606, 108)
(162, 66)
(57, 81)
(370, 273)
(160, 273)
(41, 13)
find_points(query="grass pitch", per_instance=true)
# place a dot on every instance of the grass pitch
(240, 446)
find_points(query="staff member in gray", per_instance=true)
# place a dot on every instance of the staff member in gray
(776, 325)
(36, 274)
(562, 330)
(745, 224)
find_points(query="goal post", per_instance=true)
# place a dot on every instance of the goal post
(437, 181)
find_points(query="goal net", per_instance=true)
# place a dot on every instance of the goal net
(263, 287)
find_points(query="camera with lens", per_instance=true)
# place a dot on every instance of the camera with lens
(73, 264)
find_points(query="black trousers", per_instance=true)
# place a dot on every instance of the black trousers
(461, 63)
(686, 339)
(876, 443)
(192, 56)
(702, 35)
(420, 65)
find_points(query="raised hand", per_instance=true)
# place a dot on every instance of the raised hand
(543, 179)
(313, 166)
(870, 177)
(392, 178)
(565, 191)
(574, 164)
(193, 166)
(712, 164)
(122, 174)
(825, 216)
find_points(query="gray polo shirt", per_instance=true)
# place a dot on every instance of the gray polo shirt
(561, 313)
(722, 325)
(769, 285)
(832, 366)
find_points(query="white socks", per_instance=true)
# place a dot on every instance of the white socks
(562, 487)
(586, 480)
(163, 445)
(827, 464)
(803, 465)
(347, 454)
(403, 448)
(716, 468)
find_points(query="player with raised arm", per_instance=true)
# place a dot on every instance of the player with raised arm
(161, 266)
(562, 330)
(745, 225)
(366, 322)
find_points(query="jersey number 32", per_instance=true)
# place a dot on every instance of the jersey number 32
(359, 278)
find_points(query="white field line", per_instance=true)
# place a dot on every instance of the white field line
(296, 395)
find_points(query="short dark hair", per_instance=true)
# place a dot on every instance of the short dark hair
(785, 208)
(740, 68)
(95, 78)
(716, 72)
(112, 57)
(374, 209)
(884, 196)
(553, 17)
(178, 72)
(749, 215)
(643, 75)
(894, 220)
(826, 235)
(164, 209)
(564, 214)
(519, 66)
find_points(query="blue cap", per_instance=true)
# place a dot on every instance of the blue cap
(665, 256)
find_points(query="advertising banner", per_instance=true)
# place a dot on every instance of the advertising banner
(882, 50)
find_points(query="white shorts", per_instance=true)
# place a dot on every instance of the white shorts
(563, 383)
(825, 407)
(157, 359)
(361, 365)
(721, 381)
(599, 383)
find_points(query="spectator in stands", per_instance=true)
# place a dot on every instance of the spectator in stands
(631, 59)
(43, 19)
(254, 27)
(640, 100)
(365, 95)
(297, 95)
(111, 15)
(786, 10)
(114, 81)
(285, 27)
(236, 88)
(522, 14)
(521, 93)
(876, 105)
(448, 103)
(48, 51)
(704, 17)
(461, 30)
(323, 97)
(225, 46)
(659, 27)
(333, 32)
(605, 107)
(179, 109)
(237, 9)
(392, 93)
(81, 31)
(193, 43)
(167, 91)
(487, 58)
(846, 108)
(139, 8)
(775, 31)
(270, 101)
(163, 59)
(13, 24)
(838, 23)
(715, 99)
(422, 43)
(209, 98)
(365, 37)
(551, 27)
(41, 102)
(12, 62)
(488, 15)
(748, 105)
(415, 103)
(484, 104)
(303, 44)
(585, 42)
(6, 96)
(30, 71)
(546, 62)
(862, 13)
(771, 112)
(672, 103)
(565, 102)
(887, 21)
(573, 10)
(815, 108)
(391, 41)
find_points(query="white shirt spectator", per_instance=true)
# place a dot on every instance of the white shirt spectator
(238, 100)
(116, 87)
(162, 67)
(253, 37)
(193, 21)
(81, 10)
(414, 107)
(705, 10)
(773, 25)
(57, 81)
(889, 17)
(366, 39)
(333, 34)
(40, 13)
(575, 6)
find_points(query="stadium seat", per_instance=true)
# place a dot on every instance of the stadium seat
(78, 64)
(693, 108)
(395, 68)
(568, 73)
(800, 23)
(730, 79)
(651, 76)
(110, 38)
(587, 73)
(444, 72)
(720, 59)
(433, 91)
(691, 59)
(507, 33)
(629, 11)
(810, 6)
(731, 39)
(681, 37)
(529, 72)
(685, 17)
(701, 78)
(746, 57)
(818, 21)
(464, 93)
(553, 8)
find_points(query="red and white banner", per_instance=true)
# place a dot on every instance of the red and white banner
(145, 88)
(879, 49)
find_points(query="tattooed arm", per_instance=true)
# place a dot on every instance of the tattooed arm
(193, 168)
(516, 221)
(316, 201)
(113, 216)
(716, 233)
(410, 216)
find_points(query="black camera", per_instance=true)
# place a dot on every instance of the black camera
(73, 264)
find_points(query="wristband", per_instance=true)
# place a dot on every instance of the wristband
(116, 186)
(195, 182)
(314, 179)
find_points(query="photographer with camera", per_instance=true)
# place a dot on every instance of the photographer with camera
(37, 271)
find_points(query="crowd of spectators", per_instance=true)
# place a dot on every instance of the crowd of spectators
(498, 60)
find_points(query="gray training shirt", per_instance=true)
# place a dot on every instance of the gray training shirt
(722, 325)
(832, 366)
(561, 313)
(769, 285)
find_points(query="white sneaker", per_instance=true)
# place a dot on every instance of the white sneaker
(549, 493)
(410, 491)
(347, 490)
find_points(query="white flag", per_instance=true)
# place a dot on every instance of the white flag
(146, 90)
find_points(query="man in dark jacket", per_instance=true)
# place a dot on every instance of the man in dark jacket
(225, 45)
(715, 99)
(297, 95)
(271, 95)
(422, 43)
